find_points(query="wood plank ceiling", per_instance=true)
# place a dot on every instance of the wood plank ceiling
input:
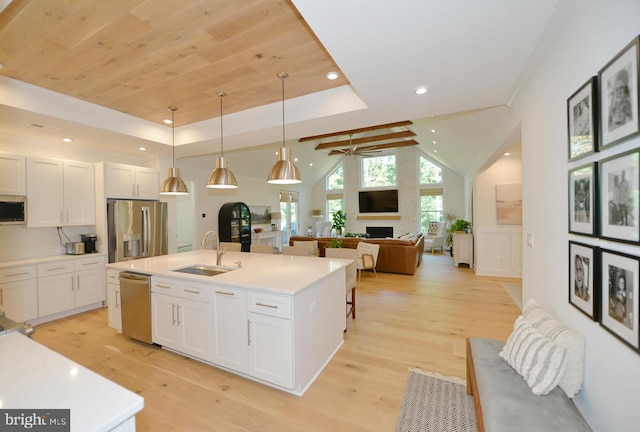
(142, 56)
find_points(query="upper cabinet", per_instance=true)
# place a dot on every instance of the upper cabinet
(60, 193)
(132, 182)
(13, 180)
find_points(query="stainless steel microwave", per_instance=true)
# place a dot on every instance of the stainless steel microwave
(13, 210)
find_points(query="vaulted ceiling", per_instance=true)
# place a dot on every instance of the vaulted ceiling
(105, 71)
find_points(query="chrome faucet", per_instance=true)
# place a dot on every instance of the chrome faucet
(219, 252)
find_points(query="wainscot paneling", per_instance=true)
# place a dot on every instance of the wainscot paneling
(499, 251)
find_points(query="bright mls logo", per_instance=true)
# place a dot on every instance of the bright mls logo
(39, 420)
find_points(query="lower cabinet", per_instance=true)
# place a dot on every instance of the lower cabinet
(181, 323)
(114, 304)
(230, 329)
(19, 292)
(271, 349)
(462, 249)
(69, 284)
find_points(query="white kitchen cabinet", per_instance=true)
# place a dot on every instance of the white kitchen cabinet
(65, 285)
(90, 280)
(270, 338)
(463, 249)
(181, 319)
(230, 328)
(114, 304)
(132, 182)
(13, 178)
(19, 292)
(60, 193)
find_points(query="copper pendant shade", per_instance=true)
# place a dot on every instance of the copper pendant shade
(222, 177)
(173, 184)
(284, 171)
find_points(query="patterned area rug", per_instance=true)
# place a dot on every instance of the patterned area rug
(515, 291)
(435, 403)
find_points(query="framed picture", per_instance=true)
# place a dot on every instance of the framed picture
(584, 291)
(619, 306)
(619, 97)
(619, 178)
(581, 120)
(582, 197)
(260, 215)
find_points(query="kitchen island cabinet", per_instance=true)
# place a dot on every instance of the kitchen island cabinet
(275, 319)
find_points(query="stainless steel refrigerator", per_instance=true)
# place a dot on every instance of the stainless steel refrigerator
(137, 229)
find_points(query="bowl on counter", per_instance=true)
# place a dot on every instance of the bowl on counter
(257, 230)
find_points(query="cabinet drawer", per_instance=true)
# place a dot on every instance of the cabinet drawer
(112, 276)
(269, 304)
(192, 291)
(18, 273)
(89, 263)
(164, 286)
(55, 268)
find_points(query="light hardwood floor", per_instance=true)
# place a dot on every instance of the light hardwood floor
(402, 322)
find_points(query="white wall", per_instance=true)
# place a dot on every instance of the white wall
(408, 194)
(582, 38)
(498, 248)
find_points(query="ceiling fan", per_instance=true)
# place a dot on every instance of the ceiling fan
(383, 136)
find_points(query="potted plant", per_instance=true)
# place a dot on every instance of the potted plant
(339, 221)
(458, 225)
(334, 243)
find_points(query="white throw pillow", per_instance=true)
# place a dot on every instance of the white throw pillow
(571, 340)
(537, 359)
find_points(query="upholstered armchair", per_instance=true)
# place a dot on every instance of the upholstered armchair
(311, 244)
(435, 236)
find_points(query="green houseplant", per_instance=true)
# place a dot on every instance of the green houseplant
(334, 243)
(458, 225)
(339, 221)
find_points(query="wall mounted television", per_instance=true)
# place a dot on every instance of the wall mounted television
(379, 201)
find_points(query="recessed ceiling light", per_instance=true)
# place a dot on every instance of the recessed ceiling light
(507, 154)
(434, 142)
(67, 140)
(311, 164)
(433, 130)
(166, 121)
(421, 90)
(435, 151)
(142, 148)
(332, 75)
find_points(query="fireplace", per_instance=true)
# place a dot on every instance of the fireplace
(379, 232)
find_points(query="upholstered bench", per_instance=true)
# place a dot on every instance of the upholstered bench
(505, 401)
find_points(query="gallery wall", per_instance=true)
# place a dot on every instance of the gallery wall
(581, 39)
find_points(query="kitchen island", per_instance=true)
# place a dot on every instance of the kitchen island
(274, 319)
(34, 378)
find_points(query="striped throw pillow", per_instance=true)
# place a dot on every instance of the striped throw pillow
(564, 336)
(537, 359)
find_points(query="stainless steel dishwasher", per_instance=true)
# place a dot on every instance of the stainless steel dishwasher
(135, 297)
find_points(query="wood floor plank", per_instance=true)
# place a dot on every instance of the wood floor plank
(403, 322)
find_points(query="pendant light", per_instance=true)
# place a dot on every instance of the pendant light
(221, 177)
(284, 171)
(173, 185)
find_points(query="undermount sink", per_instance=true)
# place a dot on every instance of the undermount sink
(204, 270)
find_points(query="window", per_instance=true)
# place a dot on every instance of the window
(429, 172)
(379, 171)
(431, 207)
(335, 180)
(335, 202)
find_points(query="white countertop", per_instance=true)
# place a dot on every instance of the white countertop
(283, 274)
(34, 377)
(50, 258)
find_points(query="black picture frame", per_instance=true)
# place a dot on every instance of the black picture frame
(582, 124)
(619, 94)
(619, 216)
(619, 296)
(583, 199)
(584, 279)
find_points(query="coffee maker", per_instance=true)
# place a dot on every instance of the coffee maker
(89, 241)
